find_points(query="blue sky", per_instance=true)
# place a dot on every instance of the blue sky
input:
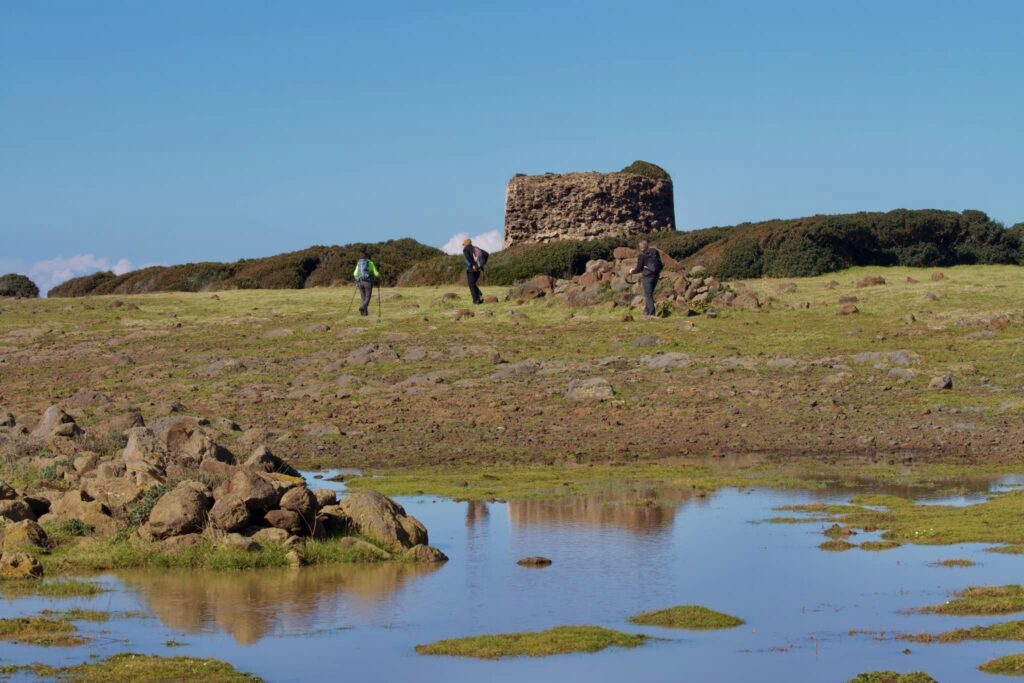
(171, 131)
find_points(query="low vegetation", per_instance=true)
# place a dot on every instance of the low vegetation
(313, 267)
(995, 520)
(61, 589)
(141, 669)
(40, 631)
(1008, 631)
(955, 562)
(555, 641)
(1010, 665)
(978, 600)
(892, 677)
(692, 617)
(18, 286)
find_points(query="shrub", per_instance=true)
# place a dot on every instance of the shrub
(646, 168)
(138, 512)
(742, 260)
(18, 286)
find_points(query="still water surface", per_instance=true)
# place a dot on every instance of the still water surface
(612, 558)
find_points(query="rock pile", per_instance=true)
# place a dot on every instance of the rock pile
(178, 486)
(610, 283)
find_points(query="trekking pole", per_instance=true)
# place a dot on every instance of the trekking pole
(351, 301)
(378, 301)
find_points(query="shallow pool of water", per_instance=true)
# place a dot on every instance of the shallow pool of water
(615, 554)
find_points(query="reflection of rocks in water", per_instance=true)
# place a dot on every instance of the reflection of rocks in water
(249, 605)
(476, 512)
(640, 511)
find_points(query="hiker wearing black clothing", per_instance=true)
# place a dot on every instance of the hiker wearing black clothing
(648, 263)
(364, 275)
(476, 258)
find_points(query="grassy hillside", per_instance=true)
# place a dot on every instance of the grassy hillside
(793, 379)
(797, 247)
(313, 267)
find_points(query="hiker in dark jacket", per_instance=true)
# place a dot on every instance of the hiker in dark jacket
(364, 275)
(648, 263)
(473, 270)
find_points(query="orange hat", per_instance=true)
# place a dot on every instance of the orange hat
(467, 242)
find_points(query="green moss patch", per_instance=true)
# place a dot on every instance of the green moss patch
(555, 641)
(40, 631)
(836, 546)
(983, 600)
(77, 615)
(689, 617)
(1010, 665)
(892, 677)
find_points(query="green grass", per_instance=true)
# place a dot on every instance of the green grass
(554, 641)
(51, 589)
(40, 631)
(692, 617)
(119, 552)
(141, 669)
(983, 600)
(77, 614)
(878, 546)
(996, 520)
(892, 677)
(836, 546)
(955, 562)
(1008, 631)
(1010, 665)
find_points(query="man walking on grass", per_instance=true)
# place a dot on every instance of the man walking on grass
(365, 274)
(476, 258)
(648, 262)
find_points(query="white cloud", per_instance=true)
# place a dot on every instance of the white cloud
(50, 273)
(488, 241)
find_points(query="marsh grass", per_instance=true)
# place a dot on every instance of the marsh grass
(995, 520)
(40, 631)
(836, 546)
(140, 669)
(980, 600)
(51, 589)
(554, 641)
(892, 677)
(77, 614)
(1010, 665)
(694, 617)
(878, 546)
(954, 562)
(1008, 631)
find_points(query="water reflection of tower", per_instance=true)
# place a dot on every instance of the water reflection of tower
(477, 512)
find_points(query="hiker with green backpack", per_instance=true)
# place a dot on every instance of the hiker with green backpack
(476, 259)
(365, 274)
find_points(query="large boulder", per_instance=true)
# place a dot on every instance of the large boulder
(229, 513)
(325, 497)
(333, 519)
(302, 501)
(262, 459)
(288, 520)
(180, 511)
(15, 510)
(117, 493)
(23, 535)
(254, 490)
(144, 457)
(55, 423)
(383, 520)
(19, 566)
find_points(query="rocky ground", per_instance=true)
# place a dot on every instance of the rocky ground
(887, 363)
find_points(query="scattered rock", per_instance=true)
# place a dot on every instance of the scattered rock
(19, 566)
(424, 553)
(870, 281)
(371, 354)
(229, 513)
(254, 490)
(56, 423)
(274, 536)
(848, 309)
(941, 383)
(383, 520)
(591, 389)
(182, 510)
(23, 535)
(288, 520)
(238, 542)
(15, 510)
(325, 497)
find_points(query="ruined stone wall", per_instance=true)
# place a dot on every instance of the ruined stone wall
(585, 206)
